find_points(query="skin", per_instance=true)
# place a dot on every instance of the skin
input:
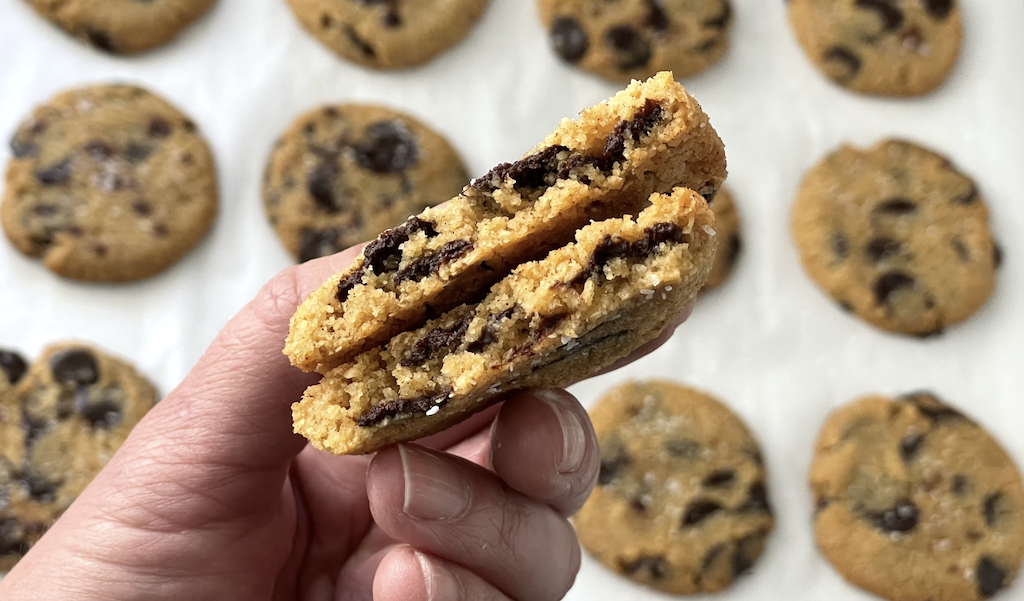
(213, 496)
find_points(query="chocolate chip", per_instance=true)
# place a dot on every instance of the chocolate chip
(159, 128)
(889, 283)
(748, 549)
(439, 338)
(78, 367)
(429, 265)
(997, 256)
(136, 153)
(733, 248)
(719, 479)
(569, 39)
(901, 517)
(141, 208)
(389, 147)
(723, 18)
(421, 405)
(12, 537)
(959, 485)
(849, 63)
(13, 366)
(320, 185)
(991, 577)
(611, 248)
(657, 19)
(711, 556)
(535, 171)
(992, 508)
(683, 449)
(631, 50)
(100, 39)
(939, 9)
(314, 244)
(640, 500)
(757, 499)
(883, 248)
(384, 253)
(896, 206)
(22, 149)
(700, 510)
(656, 568)
(103, 409)
(34, 428)
(840, 246)
(490, 335)
(58, 173)
(361, 44)
(892, 17)
(967, 198)
(39, 487)
(347, 283)
(614, 459)
(910, 445)
(961, 249)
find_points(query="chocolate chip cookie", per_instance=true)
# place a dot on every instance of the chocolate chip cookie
(916, 502)
(65, 419)
(108, 184)
(885, 47)
(122, 26)
(388, 34)
(897, 235)
(730, 239)
(343, 174)
(622, 40)
(681, 502)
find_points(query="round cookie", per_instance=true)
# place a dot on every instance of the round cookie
(64, 421)
(681, 503)
(342, 174)
(634, 39)
(388, 34)
(897, 235)
(108, 184)
(730, 240)
(916, 502)
(122, 26)
(884, 47)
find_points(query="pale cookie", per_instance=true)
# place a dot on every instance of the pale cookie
(108, 184)
(730, 239)
(916, 502)
(681, 503)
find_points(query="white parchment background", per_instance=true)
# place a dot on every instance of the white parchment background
(768, 343)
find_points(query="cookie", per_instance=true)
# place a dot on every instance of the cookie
(634, 39)
(550, 323)
(108, 184)
(896, 235)
(916, 502)
(730, 240)
(340, 175)
(883, 47)
(652, 137)
(681, 502)
(65, 419)
(388, 34)
(122, 26)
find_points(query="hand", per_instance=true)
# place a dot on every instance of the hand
(213, 496)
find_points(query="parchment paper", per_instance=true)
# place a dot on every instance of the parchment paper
(768, 343)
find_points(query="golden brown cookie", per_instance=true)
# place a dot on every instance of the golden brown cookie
(916, 502)
(730, 239)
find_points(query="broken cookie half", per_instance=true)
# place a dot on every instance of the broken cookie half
(549, 323)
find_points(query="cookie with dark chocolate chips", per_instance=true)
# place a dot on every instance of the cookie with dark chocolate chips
(108, 184)
(633, 39)
(730, 239)
(122, 26)
(59, 425)
(916, 502)
(342, 174)
(884, 47)
(897, 235)
(388, 34)
(681, 503)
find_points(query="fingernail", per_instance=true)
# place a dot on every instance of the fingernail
(574, 436)
(441, 583)
(434, 488)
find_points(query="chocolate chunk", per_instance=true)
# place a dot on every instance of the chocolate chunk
(910, 445)
(719, 479)
(490, 334)
(640, 500)
(683, 449)
(700, 510)
(642, 123)
(722, 19)
(136, 153)
(347, 283)
(991, 577)
(421, 405)
(631, 50)
(757, 500)
(12, 537)
(569, 39)
(39, 487)
(384, 253)
(389, 147)
(892, 17)
(960, 249)
(959, 485)
(13, 366)
(100, 39)
(359, 42)
(748, 549)
(141, 208)
(613, 459)
(847, 60)
(657, 19)
(58, 173)
(611, 248)
(78, 367)
(896, 206)
(840, 246)
(968, 198)
(320, 184)
(437, 339)
(997, 256)
(159, 128)
(901, 517)
(22, 149)
(992, 509)
(733, 248)
(538, 170)
(656, 568)
(429, 265)
(103, 409)
(34, 428)
(883, 248)
(889, 283)
(314, 244)
(939, 9)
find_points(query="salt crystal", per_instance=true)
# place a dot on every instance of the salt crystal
(709, 230)
(668, 288)
(433, 411)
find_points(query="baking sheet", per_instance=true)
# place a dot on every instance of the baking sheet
(768, 343)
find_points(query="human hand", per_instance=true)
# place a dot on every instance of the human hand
(214, 497)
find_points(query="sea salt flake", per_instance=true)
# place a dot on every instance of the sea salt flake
(433, 411)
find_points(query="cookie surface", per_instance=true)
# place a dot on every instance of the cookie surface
(916, 502)
(634, 39)
(681, 503)
(388, 34)
(108, 183)
(730, 241)
(122, 26)
(340, 175)
(896, 235)
(885, 47)
(64, 420)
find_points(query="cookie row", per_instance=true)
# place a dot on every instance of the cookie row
(913, 500)
(61, 420)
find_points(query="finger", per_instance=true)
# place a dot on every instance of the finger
(544, 447)
(649, 347)
(453, 509)
(409, 575)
